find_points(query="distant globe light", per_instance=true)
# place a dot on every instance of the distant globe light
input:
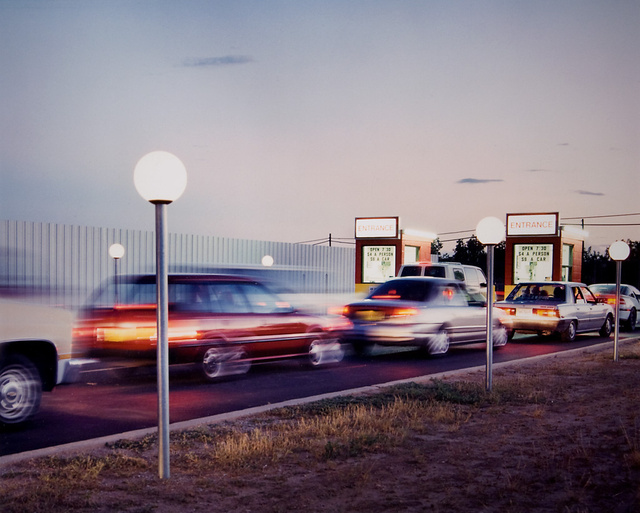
(619, 250)
(160, 177)
(267, 260)
(116, 251)
(490, 230)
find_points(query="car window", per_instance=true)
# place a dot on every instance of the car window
(538, 292)
(260, 299)
(458, 274)
(411, 270)
(229, 297)
(449, 295)
(472, 277)
(436, 271)
(406, 290)
(588, 296)
(577, 295)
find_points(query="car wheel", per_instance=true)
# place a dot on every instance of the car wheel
(213, 363)
(607, 327)
(500, 336)
(569, 334)
(438, 343)
(631, 322)
(321, 353)
(20, 391)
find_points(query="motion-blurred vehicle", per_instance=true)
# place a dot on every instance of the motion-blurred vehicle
(222, 323)
(561, 308)
(473, 277)
(629, 301)
(431, 313)
(35, 353)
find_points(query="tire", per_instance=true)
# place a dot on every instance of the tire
(321, 353)
(631, 322)
(607, 327)
(218, 361)
(438, 343)
(569, 335)
(20, 390)
(500, 336)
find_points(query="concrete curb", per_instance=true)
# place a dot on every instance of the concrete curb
(95, 443)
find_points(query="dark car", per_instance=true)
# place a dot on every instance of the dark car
(430, 313)
(223, 323)
(561, 308)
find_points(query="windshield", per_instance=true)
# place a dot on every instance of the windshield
(405, 290)
(538, 292)
(604, 289)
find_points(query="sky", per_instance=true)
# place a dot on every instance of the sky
(294, 117)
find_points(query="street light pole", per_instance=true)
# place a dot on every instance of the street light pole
(490, 231)
(618, 251)
(116, 251)
(161, 178)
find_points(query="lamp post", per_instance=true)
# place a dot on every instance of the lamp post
(618, 251)
(490, 231)
(116, 251)
(161, 178)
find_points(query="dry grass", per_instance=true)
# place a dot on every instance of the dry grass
(558, 435)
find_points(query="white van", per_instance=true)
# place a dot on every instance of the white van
(472, 276)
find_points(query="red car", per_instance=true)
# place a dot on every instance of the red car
(223, 323)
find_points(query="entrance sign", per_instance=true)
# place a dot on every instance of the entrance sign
(377, 227)
(378, 263)
(532, 224)
(532, 262)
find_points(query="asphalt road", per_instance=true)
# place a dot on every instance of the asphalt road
(106, 401)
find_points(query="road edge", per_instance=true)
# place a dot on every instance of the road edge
(95, 443)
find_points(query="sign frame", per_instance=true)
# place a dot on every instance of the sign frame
(377, 227)
(532, 225)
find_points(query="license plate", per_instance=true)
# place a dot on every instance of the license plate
(370, 315)
(524, 312)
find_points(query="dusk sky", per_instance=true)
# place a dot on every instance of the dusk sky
(295, 117)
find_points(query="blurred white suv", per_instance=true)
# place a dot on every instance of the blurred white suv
(35, 356)
(473, 277)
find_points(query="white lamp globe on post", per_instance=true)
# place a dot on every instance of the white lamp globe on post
(490, 231)
(116, 251)
(161, 178)
(618, 251)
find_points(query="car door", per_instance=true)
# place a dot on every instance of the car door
(277, 329)
(582, 310)
(466, 323)
(597, 311)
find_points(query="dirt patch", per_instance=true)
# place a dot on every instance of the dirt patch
(561, 434)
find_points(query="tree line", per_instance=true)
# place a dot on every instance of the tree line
(596, 267)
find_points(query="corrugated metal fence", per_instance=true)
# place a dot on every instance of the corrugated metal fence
(62, 264)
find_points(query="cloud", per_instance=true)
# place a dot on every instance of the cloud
(225, 60)
(479, 180)
(589, 193)
(563, 144)
(537, 170)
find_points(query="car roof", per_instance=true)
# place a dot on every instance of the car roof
(426, 278)
(186, 278)
(566, 283)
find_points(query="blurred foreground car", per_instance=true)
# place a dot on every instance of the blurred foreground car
(35, 352)
(222, 323)
(629, 301)
(431, 313)
(562, 308)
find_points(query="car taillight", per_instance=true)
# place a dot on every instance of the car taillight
(403, 312)
(546, 312)
(508, 311)
(120, 334)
